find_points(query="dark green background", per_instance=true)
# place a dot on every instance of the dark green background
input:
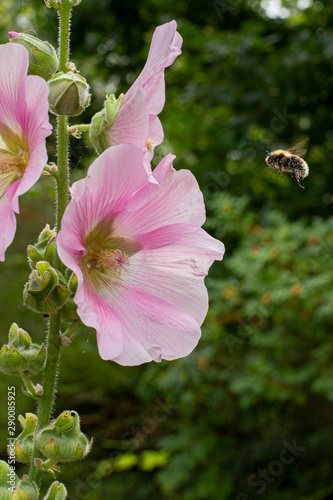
(260, 381)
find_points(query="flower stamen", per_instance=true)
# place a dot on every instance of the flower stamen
(117, 260)
(149, 144)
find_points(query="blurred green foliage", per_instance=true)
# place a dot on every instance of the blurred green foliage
(217, 424)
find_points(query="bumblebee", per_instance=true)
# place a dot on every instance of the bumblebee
(285, 161)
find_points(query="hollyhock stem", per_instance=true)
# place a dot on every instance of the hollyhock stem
(53, 337)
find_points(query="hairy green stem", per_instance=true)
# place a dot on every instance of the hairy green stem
(53, 337)
(84, 127)
(28, 384)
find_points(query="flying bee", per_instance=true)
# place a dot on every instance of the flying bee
(286, 161)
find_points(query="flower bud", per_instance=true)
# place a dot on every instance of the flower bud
(68, 94)
(26, 491)
(63, 440)
(8, 479)
(56, 491)
(24, 443)
(44, 249)
(20, 354)
(102, 121)
(43, 59)
(53, 3)
(46, 290)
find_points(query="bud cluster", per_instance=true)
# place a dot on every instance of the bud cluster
(62, 440)
(20, 354)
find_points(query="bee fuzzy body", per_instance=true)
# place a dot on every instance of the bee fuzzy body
(285, 161)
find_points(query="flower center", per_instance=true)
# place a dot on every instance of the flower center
(14, 157)
(149, 144)
(107, 261)
(11, 169)
(11, 163)
(113, 259)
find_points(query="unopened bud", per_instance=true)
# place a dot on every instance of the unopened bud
(44, 249)
(69, 94)
(8, 479)
(43, 59)
(24, 443)
(57, 491)
(102, 122)
(20, 354)
(53, 3)
(63, 440)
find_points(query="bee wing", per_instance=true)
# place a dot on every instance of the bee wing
(300, 147)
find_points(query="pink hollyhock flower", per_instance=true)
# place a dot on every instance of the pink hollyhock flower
(136, 122)
(140, 260)
(24, 126)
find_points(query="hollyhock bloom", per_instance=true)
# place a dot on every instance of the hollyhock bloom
(140, 260)
(24, 126)
(136, 122)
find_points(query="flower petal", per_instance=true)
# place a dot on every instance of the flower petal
(14, 61)
(131, 123)
(8, 226)
(152, 328)
(32, 111)
(178, 200)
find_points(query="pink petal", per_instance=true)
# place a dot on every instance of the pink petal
(97, 314)
(178, 200)
(15, 59)
(131, 123)
(32, 111)
(165, 47)
(33, 171)
(14, 34)
(8, 226)
(153, 329)
(175, 272)
(156, 133)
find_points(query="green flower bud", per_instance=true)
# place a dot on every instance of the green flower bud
(24, 443)
(69, 311)
(27, 490)
(20, 354)
(43, 59)
(53, 3)
(46, 290)
(63, 440)
(68, 94)
(72, 283)
(102, 121)
(8, 481)
(57, 491)
(19, 494)
(44, 249)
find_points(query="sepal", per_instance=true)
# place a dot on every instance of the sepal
(20, 354)
(13, 488)
(46, 291)
(8, 480)
(26, 491)
(63, 440)
(102, 121)
(56, 491)
(44, 249)
(24, 443)
(53, 3)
